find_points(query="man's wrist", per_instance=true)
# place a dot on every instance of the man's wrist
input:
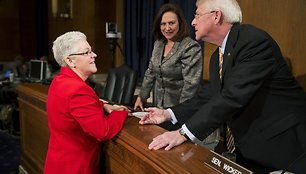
(166, 114)
(172, 118)
(182, 132)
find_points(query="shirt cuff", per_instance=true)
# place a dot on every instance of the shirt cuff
(190, 135)
(173, 118)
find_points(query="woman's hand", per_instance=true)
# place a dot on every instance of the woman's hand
(110, 108)
(138, 104)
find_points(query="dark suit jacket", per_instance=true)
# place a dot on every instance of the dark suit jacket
(258, 97)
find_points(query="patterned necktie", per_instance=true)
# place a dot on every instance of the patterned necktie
(230, 144)
(220, 63)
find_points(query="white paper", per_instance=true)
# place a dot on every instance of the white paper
(139, 114)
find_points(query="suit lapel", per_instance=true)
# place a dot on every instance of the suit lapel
(172, 51)
(214, 70)
(228, 56)
(159, 53)
(227, 61)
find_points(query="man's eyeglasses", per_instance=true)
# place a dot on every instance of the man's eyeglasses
(87, 53)
(197, 15)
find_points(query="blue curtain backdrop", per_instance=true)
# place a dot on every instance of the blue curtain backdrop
(188, 7)
(138, 23)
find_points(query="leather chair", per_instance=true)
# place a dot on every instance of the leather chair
(120, 85)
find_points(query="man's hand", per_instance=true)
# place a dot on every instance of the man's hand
(167, 140)
(155, 116)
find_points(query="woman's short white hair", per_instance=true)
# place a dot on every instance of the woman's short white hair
(65, 45)
(229, 8)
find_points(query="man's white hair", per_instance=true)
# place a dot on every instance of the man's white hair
(229, 8)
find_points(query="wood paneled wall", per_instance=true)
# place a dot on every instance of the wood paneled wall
(284, 21)
(9, 24)
(17, 31)
(89, 17)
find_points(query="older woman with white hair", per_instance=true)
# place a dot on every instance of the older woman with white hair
(76, 117)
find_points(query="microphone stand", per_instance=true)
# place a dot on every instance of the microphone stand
(112, 38)
(113, 45)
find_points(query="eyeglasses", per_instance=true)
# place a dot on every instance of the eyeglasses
(87, 53)
(197, 15)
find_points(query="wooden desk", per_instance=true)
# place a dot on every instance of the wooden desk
(34, 132)
(126, 153)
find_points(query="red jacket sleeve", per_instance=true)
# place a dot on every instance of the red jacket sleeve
(86, 108)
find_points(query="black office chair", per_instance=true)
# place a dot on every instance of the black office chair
(120, 85)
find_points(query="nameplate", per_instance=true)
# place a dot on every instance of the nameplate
(224, 165)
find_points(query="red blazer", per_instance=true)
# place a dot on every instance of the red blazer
(77, 125)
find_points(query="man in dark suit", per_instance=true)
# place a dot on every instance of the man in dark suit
(257, 96)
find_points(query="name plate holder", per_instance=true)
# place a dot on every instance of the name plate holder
(224, 165)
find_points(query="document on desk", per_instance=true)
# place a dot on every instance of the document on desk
(139, 114)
